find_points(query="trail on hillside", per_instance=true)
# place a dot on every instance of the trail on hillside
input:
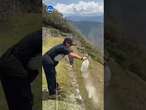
(74, 100)
(92, 91)
(73, 80)
(68, 100)
(78, 93)
(93, 88)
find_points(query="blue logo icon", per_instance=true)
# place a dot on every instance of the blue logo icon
(50, 8)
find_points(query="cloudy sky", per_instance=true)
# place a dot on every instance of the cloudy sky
(78, 7)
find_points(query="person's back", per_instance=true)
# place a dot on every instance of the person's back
(15, 60)
(28, 47)
(57, 53)
(50, 60)
(16, 75)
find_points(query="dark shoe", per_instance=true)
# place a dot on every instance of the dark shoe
(54, 92)
(54, 95)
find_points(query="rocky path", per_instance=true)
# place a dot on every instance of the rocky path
(94, 88)
(76, 94)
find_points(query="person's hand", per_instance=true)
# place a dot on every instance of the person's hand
(84, 58)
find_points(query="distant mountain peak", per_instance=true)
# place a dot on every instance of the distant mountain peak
(85, 18)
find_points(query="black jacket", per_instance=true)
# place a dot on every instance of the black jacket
(14, 62)
(56, 51)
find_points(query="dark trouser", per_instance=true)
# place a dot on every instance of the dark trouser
(50, 73)
(18, 93)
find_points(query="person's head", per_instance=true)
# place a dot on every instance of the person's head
(68, 42)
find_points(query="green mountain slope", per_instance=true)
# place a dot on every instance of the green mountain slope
(70, 78)
(92, 30)
(127, 64)
(56, 20)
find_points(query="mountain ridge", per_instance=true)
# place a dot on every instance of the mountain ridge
(85, 18)
(92, 30)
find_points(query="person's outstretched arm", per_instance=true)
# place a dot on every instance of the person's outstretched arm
(75, 55)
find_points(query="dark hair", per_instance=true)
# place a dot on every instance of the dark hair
(68, 40)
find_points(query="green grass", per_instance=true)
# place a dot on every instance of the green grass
(16, 28)
(97, 77)
(88, 102)
(96, 74)
(63, 77)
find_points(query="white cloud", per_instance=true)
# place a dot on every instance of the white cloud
(81, 8)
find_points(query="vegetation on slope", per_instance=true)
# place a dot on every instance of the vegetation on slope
(64, 101)
(130, 56)
(57, 21)
(57, 27)
(127, 64)
(63, 73)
